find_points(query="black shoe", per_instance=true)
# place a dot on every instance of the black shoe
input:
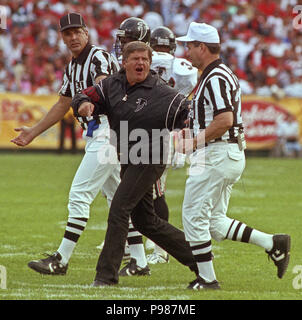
(50, 265)
(200, 284)
(100, 284)
(280, 253)
(132, 269)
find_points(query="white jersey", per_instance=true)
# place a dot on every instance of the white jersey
(184, 75)
(162, 63)
(181, 75)
(178, 72)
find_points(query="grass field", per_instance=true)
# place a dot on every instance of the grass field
(33, 211)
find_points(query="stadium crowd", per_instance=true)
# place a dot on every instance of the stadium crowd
(259, 40)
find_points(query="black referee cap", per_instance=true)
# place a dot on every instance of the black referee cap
(71, 20)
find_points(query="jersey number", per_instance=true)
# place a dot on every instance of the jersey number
(183, 63)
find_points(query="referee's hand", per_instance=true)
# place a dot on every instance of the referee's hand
(86, 109)
(25, 137)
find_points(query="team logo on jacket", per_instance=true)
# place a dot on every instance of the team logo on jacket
(140, 104)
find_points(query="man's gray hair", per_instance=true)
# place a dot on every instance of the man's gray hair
(133, 46)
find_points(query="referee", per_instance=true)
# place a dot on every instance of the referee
(217, 161)
(88, 66)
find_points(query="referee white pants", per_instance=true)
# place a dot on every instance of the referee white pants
(97, 172)
(213, 171)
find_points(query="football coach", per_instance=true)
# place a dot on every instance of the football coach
(139, 98)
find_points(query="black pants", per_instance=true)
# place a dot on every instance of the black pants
(161, 207)
(134, 198)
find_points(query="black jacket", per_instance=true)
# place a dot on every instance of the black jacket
(140, 113)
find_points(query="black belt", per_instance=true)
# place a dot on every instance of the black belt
(232, 140)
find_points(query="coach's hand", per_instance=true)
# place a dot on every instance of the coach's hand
(185, 143)
(86, 109)
(25, 137)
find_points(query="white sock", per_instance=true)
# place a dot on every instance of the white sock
(202, 252)
(239, 231)
(149, 244)
(206, 270)
(160, 251)
(137, 252)
(136, 246)
(262, 239)
(66, 249)
(73, 231)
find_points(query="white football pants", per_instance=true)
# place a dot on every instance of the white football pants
(213, 171)
(97, 172)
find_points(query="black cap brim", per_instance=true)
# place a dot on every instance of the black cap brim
(72, 26)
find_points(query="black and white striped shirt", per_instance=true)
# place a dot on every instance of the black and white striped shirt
(82, 71)
(218, 91)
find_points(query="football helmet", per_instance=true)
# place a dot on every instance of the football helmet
(163, 37)
(131, 29)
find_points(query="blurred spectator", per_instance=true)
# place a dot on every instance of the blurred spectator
(294, 88)
(4, 76)
(288, 138)
(260, 42)
(181, 20)
(154, 18)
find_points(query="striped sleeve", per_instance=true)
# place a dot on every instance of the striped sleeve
(102, 63)
(218, 93)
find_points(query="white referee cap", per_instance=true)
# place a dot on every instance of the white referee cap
(201, 32)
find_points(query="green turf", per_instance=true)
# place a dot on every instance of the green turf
(33, 212)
